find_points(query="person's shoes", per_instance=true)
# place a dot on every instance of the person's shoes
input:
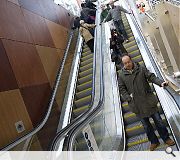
(154, 146)
(170, 142)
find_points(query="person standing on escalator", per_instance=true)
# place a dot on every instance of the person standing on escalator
(86, 34)
(135, 89)
(115, 14)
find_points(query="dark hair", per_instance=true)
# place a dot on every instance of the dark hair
(83, 5)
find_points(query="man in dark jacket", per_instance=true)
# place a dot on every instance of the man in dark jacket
(135, 89)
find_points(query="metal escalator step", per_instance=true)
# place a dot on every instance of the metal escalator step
(85, 79)
(130, 34)
(80, 110)
(82, 102)
(137, 58)
(132, 48)
(142, 138)
(129, 31)
(86, 50)
(130, 117)
(131, 38)
(84, 86)
(86, 62)
(83, 93)
(137, 128)
(135, 53)
(85, 73)
(88, 66)
(130, 44)
(85, 53)
(86, 57)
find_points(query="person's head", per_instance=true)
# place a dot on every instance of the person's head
(103, 7)
(114, 33)
(111, 3)
(127, 61)
(83, 5)
(81, 22)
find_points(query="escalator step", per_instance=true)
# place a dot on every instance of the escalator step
(85, 73)
(137, 58)
(137, 128)
(86, 67)
(130, 44)
(80, 110)
(86, 62)
(130, 117)
(86, 57)
(84, 86)
(86, 52)
(83, 93)
(85, 79)
(132, 48)
(82, 102)
(134, 53)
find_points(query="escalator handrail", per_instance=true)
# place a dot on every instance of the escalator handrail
(50, 104)
(78, 120)
(91, 114)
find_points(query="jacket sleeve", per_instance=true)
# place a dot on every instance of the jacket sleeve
(151, 77)
(90, 25)
(123, 89)
(123, 10)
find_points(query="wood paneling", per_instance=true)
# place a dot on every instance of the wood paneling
(58, 33)
(51, 61)
(7, 78)
(48, 8)
(63, 16)
(12, 23)
(25, 63)
(32, 5)
(36, 99)
(12, 110)
(38, 29)
(14, 1)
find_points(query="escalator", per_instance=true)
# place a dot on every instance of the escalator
(83, 91)
(136, 139)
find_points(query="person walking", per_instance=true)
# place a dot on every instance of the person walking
(85, 33)
(135, 89)
(115, 14)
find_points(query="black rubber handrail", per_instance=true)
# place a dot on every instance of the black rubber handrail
(50, 104)
(78, 120)
(91, 114)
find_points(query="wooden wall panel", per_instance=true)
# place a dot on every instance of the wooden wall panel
(13, 109)
(49, 5)
(26, 63)
(32, 5)
(14, 1)
(12, 23)
(51, 61)
(37, 104)
(7, 78)
(38, 29)
(58, 33)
